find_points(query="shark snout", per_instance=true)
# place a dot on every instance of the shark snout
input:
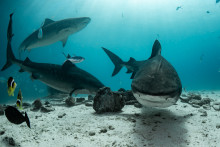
(86, 20)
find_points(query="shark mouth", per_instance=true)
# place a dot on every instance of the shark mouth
(162, 101)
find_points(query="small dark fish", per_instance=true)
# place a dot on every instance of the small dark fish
(217, 1)
(179, 7)
(207, 12)
(15, 116)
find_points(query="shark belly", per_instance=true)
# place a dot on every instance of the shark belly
(155, 101)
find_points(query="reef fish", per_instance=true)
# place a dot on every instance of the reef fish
(19, 100)
(11, 86)
(16, 117)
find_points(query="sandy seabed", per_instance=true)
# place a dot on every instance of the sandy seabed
(179, 125)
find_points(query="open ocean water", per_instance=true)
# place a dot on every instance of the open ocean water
(188, 30)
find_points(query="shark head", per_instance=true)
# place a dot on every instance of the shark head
(78, 24)
(156, 83)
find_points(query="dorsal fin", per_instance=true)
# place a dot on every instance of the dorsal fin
(131, 60)
(68, 56)
(156, 50)
(67, 65)
(27, 60)
(48, 21)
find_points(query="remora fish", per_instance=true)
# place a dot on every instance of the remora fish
(53, 31)
(15, 116)
(74, 59)
(155, 82)
(67, 78)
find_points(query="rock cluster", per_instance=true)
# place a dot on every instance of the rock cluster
(197, 101)
(9, 141)
(37, 105)
(108, 101)
(216, 106)
(129, 98)
(70, 101)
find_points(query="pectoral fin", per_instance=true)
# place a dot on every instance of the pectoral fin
(132, 76)
(64, 41)
(35, 76)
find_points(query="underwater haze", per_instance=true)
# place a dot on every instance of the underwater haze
(189, 33)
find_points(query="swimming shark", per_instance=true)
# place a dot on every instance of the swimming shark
(155, 82)
(52, 31)
(67, 78)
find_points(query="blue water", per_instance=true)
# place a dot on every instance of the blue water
(190, 39)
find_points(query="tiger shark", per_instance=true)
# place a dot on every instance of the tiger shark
(52, 31)
(67, 78)
(155, 81)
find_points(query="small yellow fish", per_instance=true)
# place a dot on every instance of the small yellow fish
(11, 86)
(19, 100)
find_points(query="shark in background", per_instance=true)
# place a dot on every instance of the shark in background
(155, 81)
(52, 31)
(67, 78)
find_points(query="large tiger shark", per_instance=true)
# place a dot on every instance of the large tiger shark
(155, 81)
(53, 31)
(67, 78)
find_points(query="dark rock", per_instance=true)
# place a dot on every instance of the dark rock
(70, 101)
(47, 109)
(218, 125)
(127, 95)
(216, 107)
(90, 98)
(26, 104)
(9, 140)
(190, 97)
(36, 105)
(79, 100)
(121, 90)
(184, 95)
(1, 110)
(203, 112)
(47, 103)
(207, 107)
(89, 104)
(194, 96)
(195, 105)
(138, 105)
(104, 130)
(108, 101)
(131, 102)
(216, 103)
(2, 132)
(111, 128)
(205, 101)
(91, 133)
(61, 115)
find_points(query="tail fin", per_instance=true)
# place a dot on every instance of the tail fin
(27, 120)
(10, 55)
(116, 61)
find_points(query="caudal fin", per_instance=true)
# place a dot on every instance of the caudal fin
(116, 61)
(10, 55)
(27, 120)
